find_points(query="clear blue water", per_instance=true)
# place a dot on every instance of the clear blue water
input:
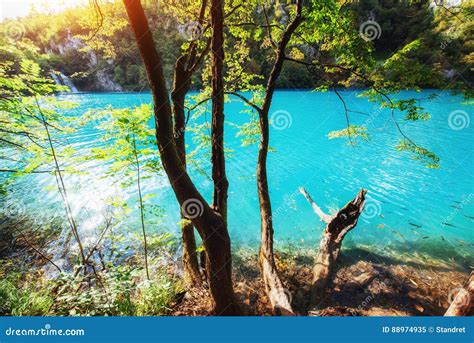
(407, 202)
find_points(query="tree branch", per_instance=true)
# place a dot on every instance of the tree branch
(323, 216)
(243, 98)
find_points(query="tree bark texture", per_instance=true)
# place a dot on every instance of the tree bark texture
(182, 83)
(210, 223)
(277, 294)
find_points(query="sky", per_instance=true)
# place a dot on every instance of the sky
(18, 8)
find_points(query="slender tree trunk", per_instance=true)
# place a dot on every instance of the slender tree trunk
(142, 212)
(210, 223)
(63, 192)
(217, 244)
(184, 69)
(277, 294)
(181, 86)
(336, 229)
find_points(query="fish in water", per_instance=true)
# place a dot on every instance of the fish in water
(456, 207)
(415, 225)
(447, 224)
(425, 237)
(443, 239)
(470, 217)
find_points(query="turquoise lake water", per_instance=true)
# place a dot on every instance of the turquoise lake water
(407, 203)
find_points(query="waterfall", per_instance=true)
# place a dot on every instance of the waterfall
(55, 78)
(63, 80)
(68, 82)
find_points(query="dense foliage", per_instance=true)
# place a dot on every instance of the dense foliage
(96, 47)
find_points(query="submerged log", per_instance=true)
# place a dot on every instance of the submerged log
(463, 301)
(338, 225)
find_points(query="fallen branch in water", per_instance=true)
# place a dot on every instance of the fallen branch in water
(463, 302)
(338, 225)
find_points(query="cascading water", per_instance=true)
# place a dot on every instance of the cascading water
(68, 82)
(55, 78)
(61, 79)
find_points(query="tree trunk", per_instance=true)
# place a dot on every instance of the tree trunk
(217, 243)
(182, 83)
(463, 301)
(336, 229)
(190, 259)
(184, 69)
(221, 184)
(277, 294)
(210, 223)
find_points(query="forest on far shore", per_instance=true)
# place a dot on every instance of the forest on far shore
(96, 49)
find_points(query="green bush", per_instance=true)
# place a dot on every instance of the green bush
(154, 297)
(26, 301)
(121, 291)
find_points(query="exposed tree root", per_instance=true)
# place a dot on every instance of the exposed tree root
(279, 296)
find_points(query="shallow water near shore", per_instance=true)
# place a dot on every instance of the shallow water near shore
(409, 206)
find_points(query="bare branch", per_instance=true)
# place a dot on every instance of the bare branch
(323, 216)
(243, 98)
(30, 172)
(38, 251)
(345, 112)
(12, 143)
(365, 78)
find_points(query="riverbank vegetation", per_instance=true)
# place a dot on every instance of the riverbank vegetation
(230, 51)
(107, 59)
